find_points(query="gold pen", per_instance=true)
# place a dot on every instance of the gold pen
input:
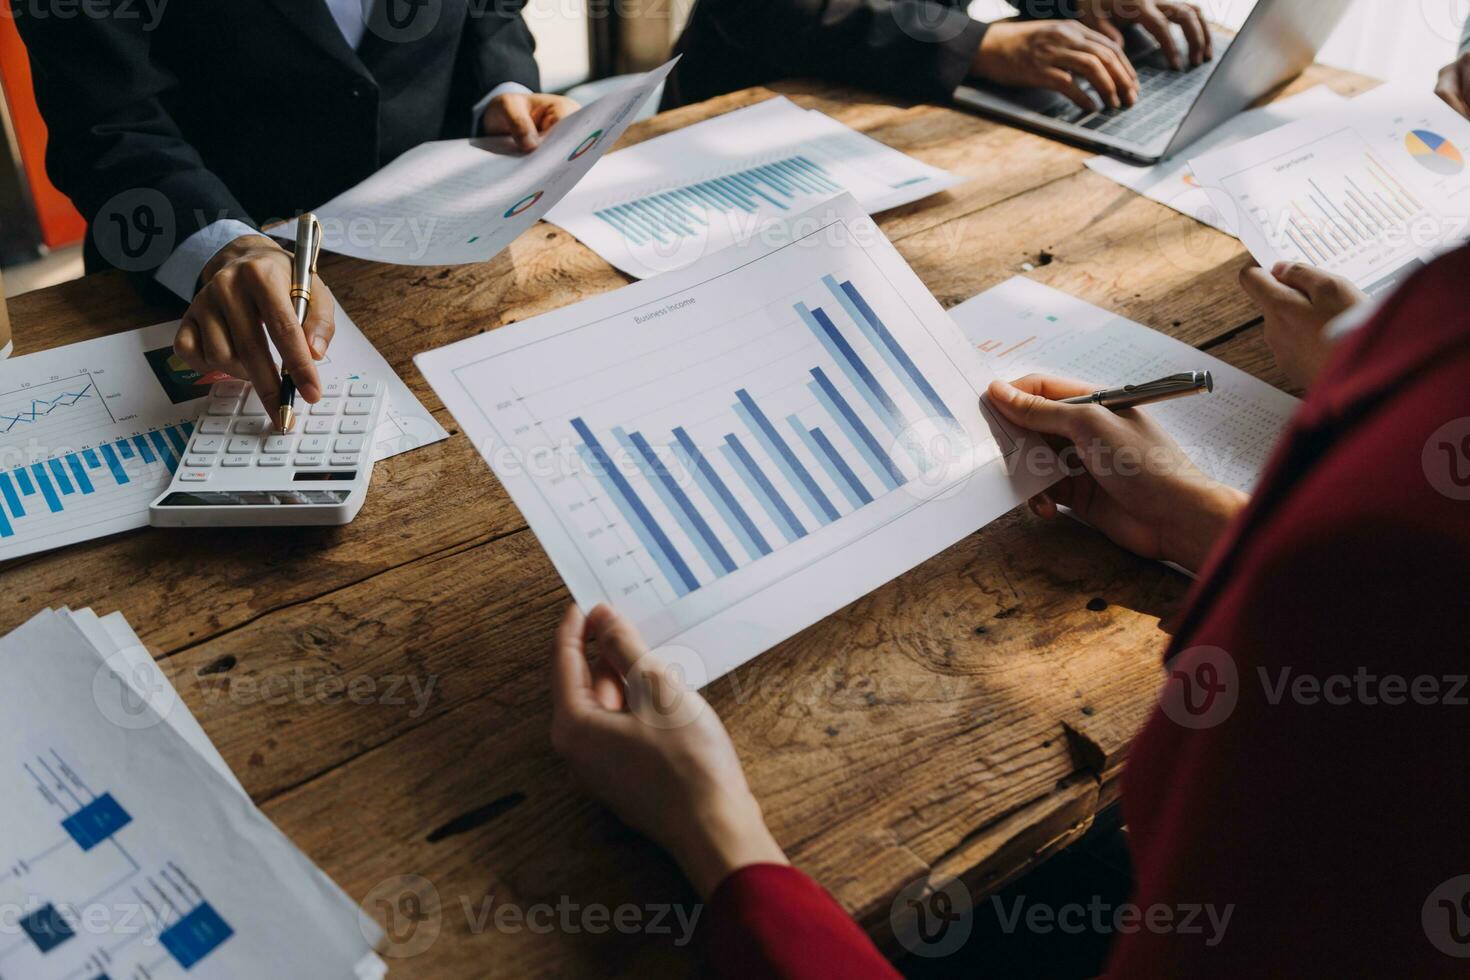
(303, 268)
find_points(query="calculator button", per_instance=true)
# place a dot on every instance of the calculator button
(332, 389)
(327, 406)
(349, 460)
(308, 459)
(228, 389)
(318, 426)
(362, 389)
(214, 427)
(194, 476)
(243, 444)
(313, 444)
(198, 460)
(352, 426)
(251, 427)
(278, 444)
(236, 461)
(222, 406)
(358, 406)
(347, 444)
(253, 405)
(270, 460)
(206, 444)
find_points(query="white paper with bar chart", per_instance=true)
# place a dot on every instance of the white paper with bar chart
(671, 200)
(730, 452)
(1369, 190)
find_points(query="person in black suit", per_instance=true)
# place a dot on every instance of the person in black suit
(178, 130)
(923, 49)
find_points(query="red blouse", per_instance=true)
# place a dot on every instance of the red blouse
(1305, 771)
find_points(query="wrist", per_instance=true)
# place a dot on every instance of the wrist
(235, 250)
(983, 65)
(1208, 508)
(724, 836)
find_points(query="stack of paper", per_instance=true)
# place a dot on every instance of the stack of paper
(127, 847)
(667, 202)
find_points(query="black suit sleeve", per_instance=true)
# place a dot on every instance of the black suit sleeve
(919, 49)
(112, 145)
(504, 50)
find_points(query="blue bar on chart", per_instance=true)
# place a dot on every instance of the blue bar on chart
(59, 475)
(114, 464)
(24, 480)
(682, 211)
(852, 365)
(856, 430)
(79, 473)
(636, 513)
(719, 494)
(676, 501)
(780, 453)
(879, 335)
(47, 491)
(760, 487)
(826, 454)
(12, 499)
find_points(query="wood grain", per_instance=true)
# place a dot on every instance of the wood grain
(380, 688)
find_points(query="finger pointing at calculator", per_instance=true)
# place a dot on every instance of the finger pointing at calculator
(245, 298)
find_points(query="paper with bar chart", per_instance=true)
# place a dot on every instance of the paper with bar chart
(127, 852)
(734, 450)
(450, 202)
(668, 201)
(91, 433)
(1369, 190)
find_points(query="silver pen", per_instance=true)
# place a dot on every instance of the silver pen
(1131, 396)
(303, 267)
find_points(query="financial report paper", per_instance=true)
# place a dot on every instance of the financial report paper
(670, 200)
(1369, 190)
(732, 451)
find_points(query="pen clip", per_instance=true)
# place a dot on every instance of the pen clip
(316, 241)
(1189, 379)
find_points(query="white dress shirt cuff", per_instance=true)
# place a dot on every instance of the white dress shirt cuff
(180, 271)
(478, 113)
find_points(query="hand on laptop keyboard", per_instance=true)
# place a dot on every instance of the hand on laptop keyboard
(1109, 17)
(1058, 55)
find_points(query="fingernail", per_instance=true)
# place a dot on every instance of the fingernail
(319, 347)
(1279, 269)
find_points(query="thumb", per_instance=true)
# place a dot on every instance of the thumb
(1265, 290)
(522, 126)
(1302, 278)
(1035, 412)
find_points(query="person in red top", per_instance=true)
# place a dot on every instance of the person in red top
(1302, 775)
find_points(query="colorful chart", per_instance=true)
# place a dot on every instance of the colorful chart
(525, 203)
(586, 144)
(1434, 152)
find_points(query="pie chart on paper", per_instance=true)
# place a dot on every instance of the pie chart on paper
(1434, 152)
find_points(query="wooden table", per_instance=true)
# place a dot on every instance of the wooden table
(380, 688)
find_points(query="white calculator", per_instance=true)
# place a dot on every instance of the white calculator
(239, 471)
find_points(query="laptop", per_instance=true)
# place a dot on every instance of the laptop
(1278, 40)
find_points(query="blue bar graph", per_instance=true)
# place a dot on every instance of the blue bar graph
(765, 433)
(59, 475)
(79, 473)
(178, 440)
(759, 485)
(641, 515)
(753, 483)
(126, 448)
(12, 499)
(682, 211)
(114, 464)
(24, 479)
(47, 491)
(144, 450)
(719, 494)
(161, 447)
(91, 457)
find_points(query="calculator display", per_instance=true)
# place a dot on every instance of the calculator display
(253, 498)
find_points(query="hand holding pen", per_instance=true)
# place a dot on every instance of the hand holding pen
(242, 308)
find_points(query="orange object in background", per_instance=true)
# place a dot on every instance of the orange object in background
(60, 222)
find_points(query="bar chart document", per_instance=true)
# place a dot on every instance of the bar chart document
(450, 202)
(1022, 327)
(1369, 190)
(670, 200)
(732, 451)
(127, 848)
(1174, 185)
(91, 433)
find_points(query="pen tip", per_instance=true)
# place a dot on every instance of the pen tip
(286, 417)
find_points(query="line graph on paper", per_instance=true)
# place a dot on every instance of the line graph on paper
(72, 404)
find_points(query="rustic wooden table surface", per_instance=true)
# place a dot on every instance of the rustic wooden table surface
(380, 688)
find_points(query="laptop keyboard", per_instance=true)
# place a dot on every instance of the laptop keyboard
(1164, 98)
